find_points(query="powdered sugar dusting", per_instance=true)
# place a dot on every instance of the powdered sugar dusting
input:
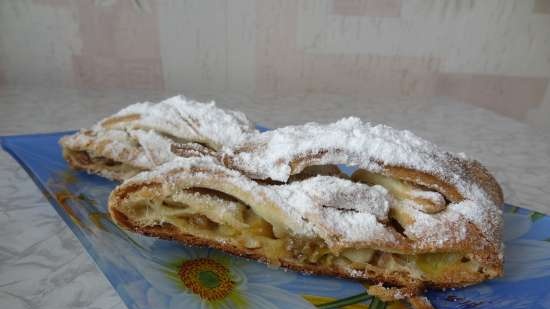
(352, 227)
(432, 230)
(342, 194)
(352, 142)
(156, 148)
(188, 120)
(140, 135)
(338, 208)
(349, 141)
(487, 218)
(139, 148)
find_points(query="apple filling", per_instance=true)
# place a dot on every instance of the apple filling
(219, 217)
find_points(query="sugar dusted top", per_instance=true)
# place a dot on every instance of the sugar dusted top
(354, 143)
(279, 153)
(185, 119)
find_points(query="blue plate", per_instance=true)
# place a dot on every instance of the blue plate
(145, 271)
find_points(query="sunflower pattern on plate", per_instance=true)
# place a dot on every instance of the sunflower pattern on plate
(206, 278)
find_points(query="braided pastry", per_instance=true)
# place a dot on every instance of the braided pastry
(138, 137)
(410, 216)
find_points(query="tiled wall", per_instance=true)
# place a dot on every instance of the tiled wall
(490, 53)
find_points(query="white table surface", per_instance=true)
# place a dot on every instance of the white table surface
(43, 265)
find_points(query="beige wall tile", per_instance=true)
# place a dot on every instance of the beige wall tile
(120, 46)
(501, 37)
(376, 8)
(284, 67)
(3, 69)
(542, 7)
(208, 45)
(540, 115)
(99, 72)
(277, 59)
(37, 42)
(512, 96)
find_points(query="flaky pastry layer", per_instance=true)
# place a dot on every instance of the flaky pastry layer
(321, 224)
